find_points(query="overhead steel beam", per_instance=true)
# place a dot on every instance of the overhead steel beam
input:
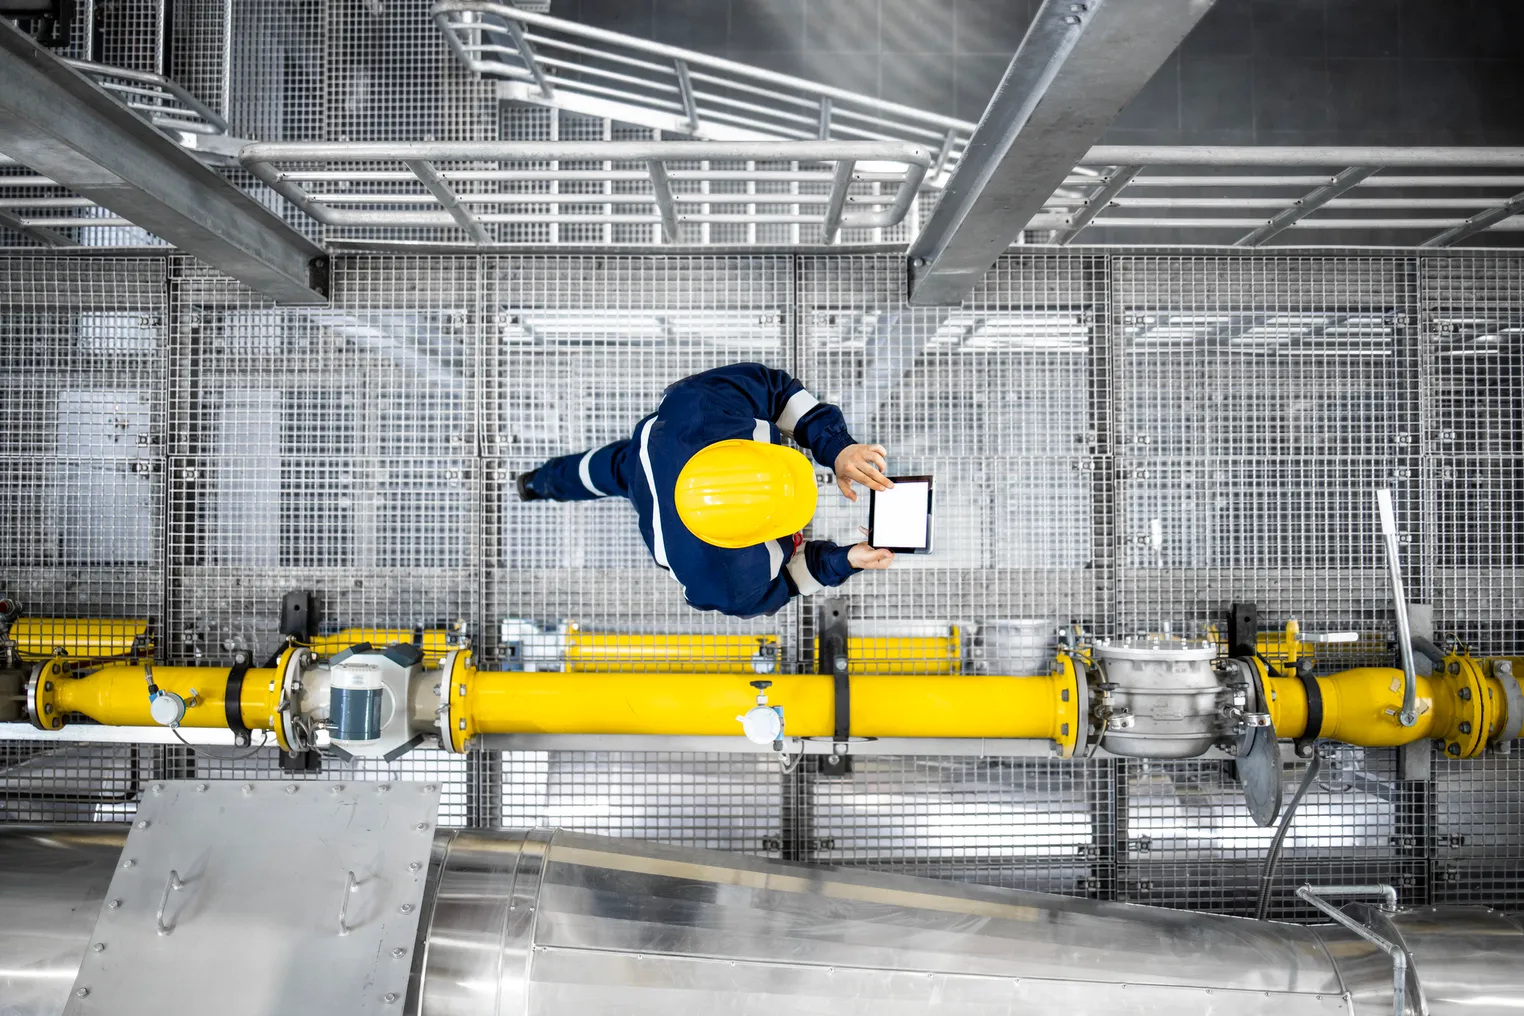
(64, 127)
(1080, 63)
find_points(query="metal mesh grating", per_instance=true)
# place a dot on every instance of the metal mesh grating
(172, 447)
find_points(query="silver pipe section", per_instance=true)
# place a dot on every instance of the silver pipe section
(1399, 955)
(540, 923)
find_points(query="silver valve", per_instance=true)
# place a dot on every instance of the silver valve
(762, 723)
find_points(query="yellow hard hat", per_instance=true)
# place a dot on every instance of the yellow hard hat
(741, 493)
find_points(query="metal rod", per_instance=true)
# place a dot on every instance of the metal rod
(1310, 203)
(526, 54)
(1269, 155)
(685, 86)
(1102, 198)
(41, 234)
(1409, 714)
(175, 884)
(424, 170)
(1398, 954)
(1054, 222)
(592, 151)
(350, 886)
(837, 202)
(1477, 223)
(824, 131)
(662, 189)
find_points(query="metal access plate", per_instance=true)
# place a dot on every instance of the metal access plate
(228, 899)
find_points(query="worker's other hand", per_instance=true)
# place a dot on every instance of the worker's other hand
(874, 558)
(864, 463)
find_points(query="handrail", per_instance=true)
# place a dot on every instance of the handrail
(102, 74)
(1399, 955)
(842, 198)
(604, 73)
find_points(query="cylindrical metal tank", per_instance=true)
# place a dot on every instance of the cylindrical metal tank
(539, 923)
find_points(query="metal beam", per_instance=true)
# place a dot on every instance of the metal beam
(43, 235)
(1121, 176)
(1305, 206)
(66, 128)
(1079, 64)
(1477, 223)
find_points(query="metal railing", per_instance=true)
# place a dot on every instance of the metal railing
(665, 185)
(164, 103)
(559, 63)
(1249, 196)
(1314, 895)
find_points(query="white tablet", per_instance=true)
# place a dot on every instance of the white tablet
(900, 518)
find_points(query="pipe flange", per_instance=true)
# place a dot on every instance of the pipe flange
(1466, 683)
(291, 733)
(33, 708)
(442, 714)
(1515, 699)
(1085, 744)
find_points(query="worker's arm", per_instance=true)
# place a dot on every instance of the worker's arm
(775, 396)
(746, 586)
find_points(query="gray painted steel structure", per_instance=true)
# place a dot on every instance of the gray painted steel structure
(63, 126)
(1078, 65)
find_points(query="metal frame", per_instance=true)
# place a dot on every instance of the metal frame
(1075, 70)
(61, 124)
(1186, 188)
(551, 61)
(1399, 955)
(328, 194)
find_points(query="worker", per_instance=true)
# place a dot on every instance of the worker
(721, 504)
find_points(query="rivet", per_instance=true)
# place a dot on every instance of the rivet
(113, 904)
(422, 827)
(398, 953)
(128, 863)
(382, 788)
(1071, 19)
(82, 993)
(336, 788)
(201, 788)
(291, 788)
(414, 866)
(248, 788)
(406, 908)
(158, 788)
(98, 947)
(429, 788)
(142, 823)
(390, 997)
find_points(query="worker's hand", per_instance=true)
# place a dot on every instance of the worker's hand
(865, 464)
(875, 558)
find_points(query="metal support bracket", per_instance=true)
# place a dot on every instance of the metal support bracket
(831, 629)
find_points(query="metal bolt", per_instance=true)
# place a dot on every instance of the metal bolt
(1465, 728)
(47, 709)
(291, 788)
(113, 904)
(462, 724)
(336, 788)
(158, 788)
(1464, 694)
(1071, 19)
(414, 866)
(422, 827)
(142, 823)
(406, 908)
(47, 686)
(398, 953)
(1455, 667)
(390, 997)
(248, 788)
(82, 993)
(128, 863)
(1453, 748)
(833, 759)
(98, 947)
(201, 788)
(382, 788)
(429, 788)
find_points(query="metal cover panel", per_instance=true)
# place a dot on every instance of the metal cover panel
(246, 884)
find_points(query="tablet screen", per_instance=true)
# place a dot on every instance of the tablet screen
(901, 516)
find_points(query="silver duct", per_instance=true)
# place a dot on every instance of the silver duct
(543, 923)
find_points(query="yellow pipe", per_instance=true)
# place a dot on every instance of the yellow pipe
(628, 653)
(1460, 704)
(883, 705)
(40, 638)
(117, 695)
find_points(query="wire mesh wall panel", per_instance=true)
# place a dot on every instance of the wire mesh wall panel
(997, 400)
(175, 448)
(328, 448)
(82, 360)
(1261, 402)
(577, 352)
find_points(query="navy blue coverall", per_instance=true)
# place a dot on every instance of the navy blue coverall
(742, 400)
